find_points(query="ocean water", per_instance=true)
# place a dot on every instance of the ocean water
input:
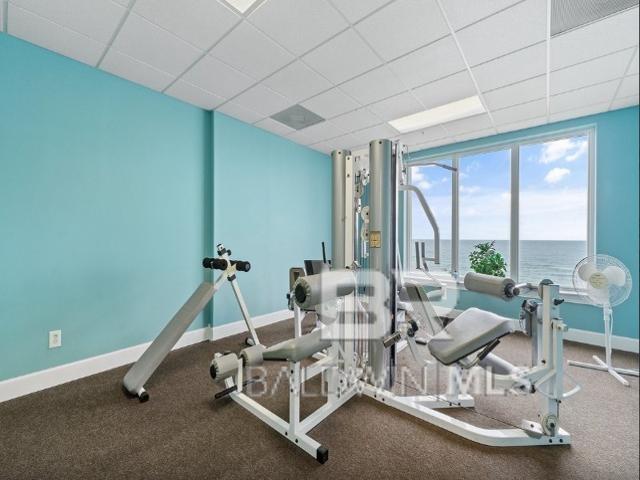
(539, 259)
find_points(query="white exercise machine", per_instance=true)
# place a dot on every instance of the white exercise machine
(153, 356)
(367, 312)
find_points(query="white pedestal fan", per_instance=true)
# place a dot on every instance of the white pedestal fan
(606, 282)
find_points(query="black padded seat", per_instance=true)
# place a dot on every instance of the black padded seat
(470, 331)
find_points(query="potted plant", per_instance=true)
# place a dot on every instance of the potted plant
(485, 259)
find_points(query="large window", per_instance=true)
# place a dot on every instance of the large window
(554, 208)
(533, 199)
(485, 182)
(434, 181)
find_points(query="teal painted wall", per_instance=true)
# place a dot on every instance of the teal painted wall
(272, 207)
(105, 196)
(617, 183)
(107, 207)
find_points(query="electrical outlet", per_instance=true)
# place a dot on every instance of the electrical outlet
(55, 338)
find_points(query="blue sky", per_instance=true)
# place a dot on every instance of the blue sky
(553, 193)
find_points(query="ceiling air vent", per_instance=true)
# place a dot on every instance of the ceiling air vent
(569, 14)
(297, 117)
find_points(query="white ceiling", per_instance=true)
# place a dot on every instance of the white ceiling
(358, 63)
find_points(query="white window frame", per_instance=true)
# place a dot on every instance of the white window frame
(514, 240)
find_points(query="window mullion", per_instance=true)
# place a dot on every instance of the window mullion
(514, 238)
(455, 216)
(591, 194)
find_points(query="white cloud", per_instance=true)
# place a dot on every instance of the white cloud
(425, 184)
(582, 149)
(561, 216)
(416, 176)
(469, 190)
(473, 166)
(557, 215)
(569, 149)
(555, 175)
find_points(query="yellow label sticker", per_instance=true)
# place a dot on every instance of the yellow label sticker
(375, 239)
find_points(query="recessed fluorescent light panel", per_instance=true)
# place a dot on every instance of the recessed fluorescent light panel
(467, 107)
(242, 5)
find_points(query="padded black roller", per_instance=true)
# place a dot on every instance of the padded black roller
(214, 263)
(241, 265)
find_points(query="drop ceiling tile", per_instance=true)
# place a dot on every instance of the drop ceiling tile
(596, 39)
(629, 86)
(35, 29)
(518, 113)
(263, 100)
(374, 85)
(446, 90)
(217, 77)
(355, 120)
(322, 131)
(347, 141)
(126, 67)
(590, 72)
(515, 67)
(423, 136)
(200, 22)
(298, 25)
(433, 144)
(471, 124)
(465, 12)
(355, 10)
(402, 26)
(251, 52)
(97, 19)
(323, 147)
(517, 27)
(532, 122)
(330, 103)
(438, 60)
(360, 150)
(299, 136)
(343, 57)
(238, 112)
(153, 45)
(583, 97)
(297, 82)
(272, 126)
(633, 67)
(624, 102)
(396, 107)
(486, 132)
(517, 93)
(194, 95)
(579, 112)
(377, 132)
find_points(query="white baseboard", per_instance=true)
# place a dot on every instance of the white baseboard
(34, 382)
(51, 377)
(625, 344)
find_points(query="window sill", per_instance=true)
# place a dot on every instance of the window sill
(451, 282)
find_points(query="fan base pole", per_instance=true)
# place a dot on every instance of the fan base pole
(602, 366)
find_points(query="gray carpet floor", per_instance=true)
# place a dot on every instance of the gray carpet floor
(90, 429)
